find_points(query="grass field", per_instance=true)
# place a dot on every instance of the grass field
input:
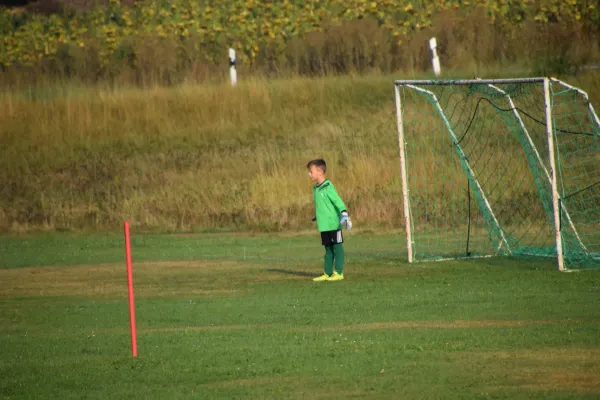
(237, 316)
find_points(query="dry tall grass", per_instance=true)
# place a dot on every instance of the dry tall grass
(192, 156)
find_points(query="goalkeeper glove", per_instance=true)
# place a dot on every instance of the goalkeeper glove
(346, 220)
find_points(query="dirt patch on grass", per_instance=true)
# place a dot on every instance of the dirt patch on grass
(190, 291)
(259, 381)
(290, 387)
(110, 280)
(169, 329)
(548, 369)
(457, 324)
(371, 326)
(562, 354)
(165, 278)
(212, 266)
(580, 381)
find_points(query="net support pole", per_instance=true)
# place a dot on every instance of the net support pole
(130, 289)
(553, 173)
(403, 174)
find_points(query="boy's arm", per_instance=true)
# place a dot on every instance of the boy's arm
(335, 199)
(340, 206)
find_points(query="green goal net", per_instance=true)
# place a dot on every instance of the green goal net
(500, 167)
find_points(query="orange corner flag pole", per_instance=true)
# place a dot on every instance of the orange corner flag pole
(130, 287)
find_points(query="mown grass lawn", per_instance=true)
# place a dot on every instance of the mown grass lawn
(237, 316)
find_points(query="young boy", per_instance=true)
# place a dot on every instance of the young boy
(330, 214)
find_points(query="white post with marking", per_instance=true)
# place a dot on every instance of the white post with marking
(232, 70)
(437, 69)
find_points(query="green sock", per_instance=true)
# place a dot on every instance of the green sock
(329, 253)
(339, 257)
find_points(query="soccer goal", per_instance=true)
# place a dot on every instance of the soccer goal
(499, 167)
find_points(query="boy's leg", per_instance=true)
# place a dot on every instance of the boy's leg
(338, 251)
(329, 255)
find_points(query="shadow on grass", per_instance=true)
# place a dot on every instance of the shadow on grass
(296, 273)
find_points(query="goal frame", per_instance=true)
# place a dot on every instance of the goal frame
(552, 173)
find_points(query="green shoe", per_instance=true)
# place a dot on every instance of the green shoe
(336, 277)
(322, 278)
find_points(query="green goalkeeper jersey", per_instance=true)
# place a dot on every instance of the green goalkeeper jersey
(328, 206)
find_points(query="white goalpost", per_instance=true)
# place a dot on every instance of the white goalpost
(507, 167)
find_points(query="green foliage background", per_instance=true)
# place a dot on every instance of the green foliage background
(172, 40)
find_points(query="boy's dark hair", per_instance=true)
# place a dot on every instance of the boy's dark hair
(319, 163)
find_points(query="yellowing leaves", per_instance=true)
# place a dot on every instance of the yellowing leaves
(254, 24)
